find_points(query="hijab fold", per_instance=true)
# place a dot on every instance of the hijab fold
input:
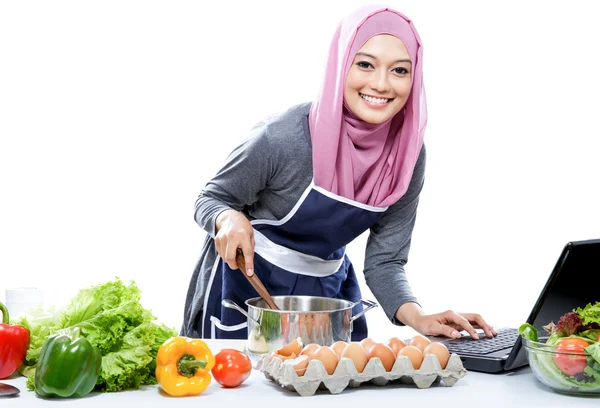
(368, 163)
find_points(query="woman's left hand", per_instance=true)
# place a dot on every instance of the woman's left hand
(449, 323)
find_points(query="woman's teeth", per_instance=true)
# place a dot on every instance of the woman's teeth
(374, 100)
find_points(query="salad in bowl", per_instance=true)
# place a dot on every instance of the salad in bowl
(567, 357)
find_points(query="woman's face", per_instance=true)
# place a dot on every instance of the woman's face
(379, 80)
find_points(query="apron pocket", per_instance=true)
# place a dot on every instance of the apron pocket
(227, 332)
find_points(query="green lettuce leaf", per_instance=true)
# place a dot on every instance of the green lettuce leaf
(113, 320)
(594, 351)
(590, 313)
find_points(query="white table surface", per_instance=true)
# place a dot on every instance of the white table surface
(519, 388)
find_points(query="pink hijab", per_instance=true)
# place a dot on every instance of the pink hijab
(367, 163)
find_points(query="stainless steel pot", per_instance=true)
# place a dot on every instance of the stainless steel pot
(314, 319)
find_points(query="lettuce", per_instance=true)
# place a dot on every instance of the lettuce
(590, 313)
(582, 323)
(112, 319)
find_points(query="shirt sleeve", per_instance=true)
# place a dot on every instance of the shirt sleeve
(388, 246)
(238, 183)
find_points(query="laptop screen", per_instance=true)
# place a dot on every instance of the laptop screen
(573, 286)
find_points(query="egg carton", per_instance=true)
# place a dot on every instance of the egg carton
(346, 375)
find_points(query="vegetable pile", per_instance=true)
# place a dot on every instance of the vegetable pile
(111, 318)
(577, 337)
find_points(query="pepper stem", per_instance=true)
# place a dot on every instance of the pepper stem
(188, 365)
(5, 318)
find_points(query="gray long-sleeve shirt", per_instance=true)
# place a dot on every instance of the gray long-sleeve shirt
(265, 176)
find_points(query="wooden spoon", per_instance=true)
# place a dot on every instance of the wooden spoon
(255, 281)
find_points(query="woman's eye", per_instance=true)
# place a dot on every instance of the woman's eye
(401, 71)
(364, 64)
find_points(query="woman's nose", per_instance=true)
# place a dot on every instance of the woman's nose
(380, 82)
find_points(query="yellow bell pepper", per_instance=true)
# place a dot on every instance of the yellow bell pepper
(183, 366)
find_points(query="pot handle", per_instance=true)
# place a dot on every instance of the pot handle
(232, 305)
(369, 305)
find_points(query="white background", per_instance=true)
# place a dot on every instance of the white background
(114, 114)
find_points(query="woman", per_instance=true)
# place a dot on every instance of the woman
(310, 180)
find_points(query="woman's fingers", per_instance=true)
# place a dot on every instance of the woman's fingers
(235, 231)
(461, 322)
(248, 250)
(447, 330)
(230, 254)
(480, 323)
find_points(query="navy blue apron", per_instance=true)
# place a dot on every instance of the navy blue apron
(302, 254)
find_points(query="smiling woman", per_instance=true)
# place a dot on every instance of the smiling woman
(379, 81)
(114, 115)
(309, 181)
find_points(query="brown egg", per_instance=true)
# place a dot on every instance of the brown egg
(338, 347)
(355, 352)
(294, 347)
(414, 354)
(299, 363)
(282, 357)
(384, 353)
(309, 350)
(420, 342)
(367, 343)
(395, 344)
(440, 350)
(328, 357)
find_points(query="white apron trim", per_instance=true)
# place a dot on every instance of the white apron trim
(208, 289)
(291, 213)
(294, 261)
(321, 190)
(215, 322)
(348, 201)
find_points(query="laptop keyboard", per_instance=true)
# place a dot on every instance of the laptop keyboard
(506, 338)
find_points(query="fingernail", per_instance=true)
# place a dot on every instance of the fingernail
(455, 334)
(249, 271)
(476, 337)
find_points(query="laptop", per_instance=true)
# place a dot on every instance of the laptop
(569, 286)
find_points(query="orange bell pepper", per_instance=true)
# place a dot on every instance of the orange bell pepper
(183, 366)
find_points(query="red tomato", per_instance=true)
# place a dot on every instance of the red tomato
(232, 367)
(571, 364)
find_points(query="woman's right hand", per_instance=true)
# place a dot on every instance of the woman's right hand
(233, 231)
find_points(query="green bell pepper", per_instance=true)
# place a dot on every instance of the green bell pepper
(69, 366)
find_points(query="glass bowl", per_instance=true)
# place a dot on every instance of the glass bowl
(543, 362)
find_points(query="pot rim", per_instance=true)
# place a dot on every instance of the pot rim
(350, 305)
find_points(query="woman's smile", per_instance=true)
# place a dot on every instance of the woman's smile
(376, 102)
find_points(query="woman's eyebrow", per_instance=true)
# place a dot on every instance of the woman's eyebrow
(374, 57)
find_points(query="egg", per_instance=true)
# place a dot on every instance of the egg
(295, 347)
(328, 357)
(355, 352)
(299, 364)
(338, 347)
(384, 353)
(395, 344)
(309, 350)
(420, 342)
(440, 350)
(414, 354)
(282, 357)
(367, 343)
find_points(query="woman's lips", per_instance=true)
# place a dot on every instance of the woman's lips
(374, 102)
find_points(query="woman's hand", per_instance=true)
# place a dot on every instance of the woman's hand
(233, 231)
(447, 323)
